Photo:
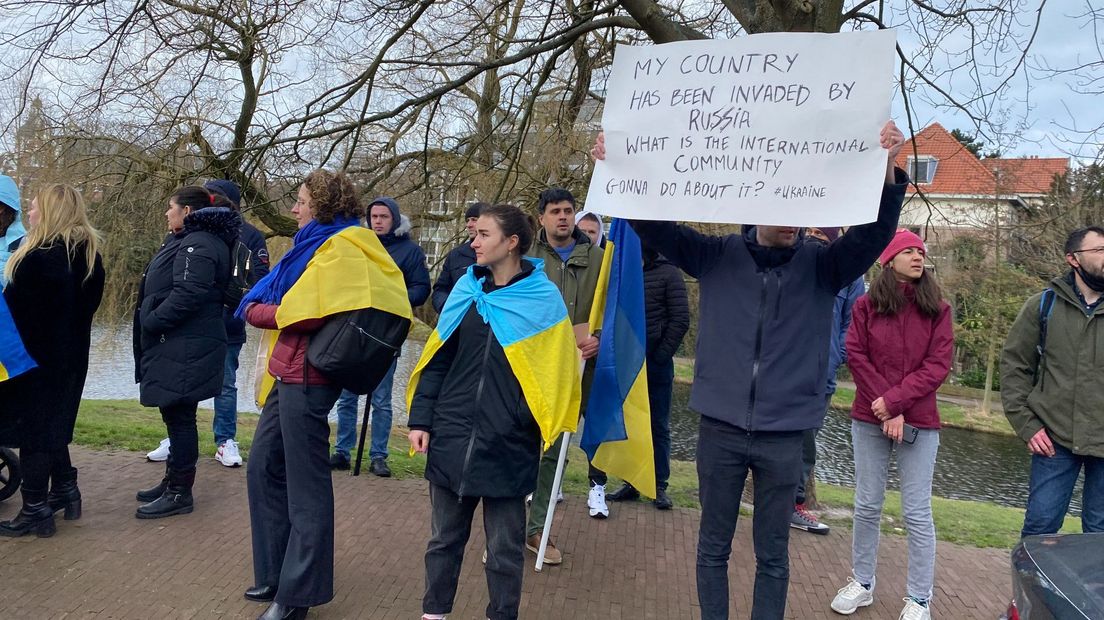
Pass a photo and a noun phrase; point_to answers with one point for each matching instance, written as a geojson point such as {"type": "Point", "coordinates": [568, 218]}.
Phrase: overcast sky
{"type": "Point", "coordinates": [1056, 120]}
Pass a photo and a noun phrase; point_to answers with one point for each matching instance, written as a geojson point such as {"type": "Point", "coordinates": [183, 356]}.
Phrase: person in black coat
{"type": "Point", "coordinates": [179, 337]}
{"type": "Point", "coordinates": [470, 414]}
{"type": "Point", "coordinates": [457, 260]}
{"type": "Point", "coordinates": [55, 284]}
{"type": "Point", "coordinates": [667, 319]}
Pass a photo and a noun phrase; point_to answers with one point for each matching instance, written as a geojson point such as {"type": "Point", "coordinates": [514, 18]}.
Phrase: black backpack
{"type": "Point", "coordinates": [241, 275]}
{"type": "Point", "coordinates": [1046, 307]}
{"type": "Point", "coordinates": [355, 349]}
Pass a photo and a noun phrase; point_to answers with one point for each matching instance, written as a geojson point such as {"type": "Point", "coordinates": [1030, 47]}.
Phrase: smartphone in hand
{"type": "Point", "coordinates": [909, 433]}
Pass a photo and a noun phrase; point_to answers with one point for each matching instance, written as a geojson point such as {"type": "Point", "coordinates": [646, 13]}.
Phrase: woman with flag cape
{"type": "Point", "coordinates": [498, 376]}
{"type": "Point", "coordinates": [334, 266]}
{"type": "Point", "coordinates": [55, 284]}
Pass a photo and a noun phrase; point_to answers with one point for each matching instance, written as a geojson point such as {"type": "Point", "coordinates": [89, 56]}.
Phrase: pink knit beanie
{"type": "Point", "coordinates": [903, 240]}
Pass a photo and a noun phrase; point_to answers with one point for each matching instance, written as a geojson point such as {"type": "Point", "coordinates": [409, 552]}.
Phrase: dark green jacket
{"type": "Point", "coordinates": [577, 278]}
{"type": "Point", "coordinates": [1068, 399]}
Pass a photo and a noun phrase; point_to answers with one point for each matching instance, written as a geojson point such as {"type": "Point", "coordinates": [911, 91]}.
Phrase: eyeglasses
{"type": "Point", "coordinates": [1099, 250]}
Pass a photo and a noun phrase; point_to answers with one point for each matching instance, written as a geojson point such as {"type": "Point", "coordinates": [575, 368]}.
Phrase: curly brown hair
{"type": "Point", "coordinates": [332, 194]}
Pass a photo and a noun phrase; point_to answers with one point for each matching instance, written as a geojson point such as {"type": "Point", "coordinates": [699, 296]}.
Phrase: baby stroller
{"type": "Point", "coordinates": [10, 473]}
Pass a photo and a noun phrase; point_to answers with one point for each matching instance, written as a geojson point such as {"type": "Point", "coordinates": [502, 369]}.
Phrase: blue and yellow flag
{"type": "Point", "coordinates": [529, 319]}
{"type": "Point", "coordinates": [14, 359]}
{"type": "Point", "coordinates": [350, 270]}
{"type": "Point", "coordinates": [618, 432]}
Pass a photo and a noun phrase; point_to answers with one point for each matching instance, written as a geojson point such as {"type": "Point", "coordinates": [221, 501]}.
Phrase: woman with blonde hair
{"type": "Point", "coordinates": [55, 281]}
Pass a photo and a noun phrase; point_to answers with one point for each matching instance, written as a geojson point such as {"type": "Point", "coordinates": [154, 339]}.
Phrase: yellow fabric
{"type": "Point", "coordinates": [3, 373]}
{"type": "Point", "coordinates": [598, 308]}
{"type": "Point", "coordinates": [544, 364]}
{"type": "Point", "coordinates": [262, 379]}
{"type": "Point", "coordinates": [633, 459]}
{"type": "Point", "coordinates": [349, 271]}
{"type": "Point", "coordinates": [339, 279]}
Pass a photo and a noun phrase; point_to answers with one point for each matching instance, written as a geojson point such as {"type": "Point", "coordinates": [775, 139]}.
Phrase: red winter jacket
{"type": "Point", "coordinates": [902, 358]}
{"type": "Point", "coordinates": [289, 357]}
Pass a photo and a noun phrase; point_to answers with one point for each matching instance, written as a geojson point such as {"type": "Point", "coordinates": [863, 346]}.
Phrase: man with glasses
{"type": "Point", "coordinates": [1052, 388]}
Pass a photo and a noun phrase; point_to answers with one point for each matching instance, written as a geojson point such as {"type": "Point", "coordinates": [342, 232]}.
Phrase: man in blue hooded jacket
{"type": "Point", "coordinates": [393, 230]}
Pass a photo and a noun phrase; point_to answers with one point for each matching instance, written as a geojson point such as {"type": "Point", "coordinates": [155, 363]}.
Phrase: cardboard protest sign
{"type": "Point", "coordinates": [778, 128]}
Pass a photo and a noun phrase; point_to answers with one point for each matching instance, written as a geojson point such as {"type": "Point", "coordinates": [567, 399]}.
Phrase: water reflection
{"type": "Point", "coordinates": [971, 465]}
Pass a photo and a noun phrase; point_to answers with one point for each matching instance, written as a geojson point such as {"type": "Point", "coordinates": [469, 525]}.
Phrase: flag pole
{"type": "Point", "coordinates": [552, 500]}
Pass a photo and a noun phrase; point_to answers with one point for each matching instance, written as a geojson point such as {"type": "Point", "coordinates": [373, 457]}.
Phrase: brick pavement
{"type": "Point", "coordinates": [637, 564]}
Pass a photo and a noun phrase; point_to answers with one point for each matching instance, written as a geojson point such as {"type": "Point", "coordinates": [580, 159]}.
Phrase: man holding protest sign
{"type": "Point", "coordinates": [765, 316]}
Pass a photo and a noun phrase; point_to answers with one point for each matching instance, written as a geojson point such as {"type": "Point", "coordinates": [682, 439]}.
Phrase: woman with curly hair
{"type": "Point", "coordinates": [290, 490]}
{"type": "Point", "coordinates": [55, 284]}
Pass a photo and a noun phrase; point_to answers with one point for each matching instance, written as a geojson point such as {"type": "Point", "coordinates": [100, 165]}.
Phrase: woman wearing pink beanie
{"type": "Point", "coordinates": [899, 349]}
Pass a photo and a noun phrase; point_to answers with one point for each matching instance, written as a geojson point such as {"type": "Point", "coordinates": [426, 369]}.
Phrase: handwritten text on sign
{"type": "Point", "coordinates": [764, 129]}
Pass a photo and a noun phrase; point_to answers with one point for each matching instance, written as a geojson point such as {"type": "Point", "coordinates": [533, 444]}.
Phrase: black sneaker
{"type": "Point", "coordinates": [339, 461]}
{"type": "Point", "coordinates": [626, 493]}
{"type": "Point", "coordinates": [662, 502]}
{"type": "Point", "coordinates": [379, 467]}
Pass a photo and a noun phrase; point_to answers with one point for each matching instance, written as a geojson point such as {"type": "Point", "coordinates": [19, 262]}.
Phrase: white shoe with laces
{"type": "Point", "coordinates": [851, 597]}
{"type": "Point", "coordinates": [228, 454]}
{"type": "Point", "coordinates": [160, 453]}
{"type": "Point", "coordinates": [596, 501]}
{"type": "Point", "coordinates": [914, 610]}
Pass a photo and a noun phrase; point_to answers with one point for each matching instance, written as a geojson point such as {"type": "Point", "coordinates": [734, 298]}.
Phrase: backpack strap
{"type": "Point", "coordinates": [1046, 307]}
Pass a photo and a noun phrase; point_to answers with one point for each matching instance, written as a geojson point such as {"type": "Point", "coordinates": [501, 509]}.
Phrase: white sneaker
{"type": "Point", "coordinates": [228, 454]}
{"type": "Point", "coordinates": [559, 495]}
{"type": "Point", "coordinates": [596, 501]}
{"type": "Point", "coordinates": [851, 597]}
{"type": "Point", "coordinates": [161, 452]}
{"type": "Point", "coordinates": [914, 611]}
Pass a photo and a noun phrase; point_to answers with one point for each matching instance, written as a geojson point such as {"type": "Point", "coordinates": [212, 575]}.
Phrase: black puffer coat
{"type": "Point", "coordinates": [483, 440]}
{"type": "Point", "coordinates": [52, 305]}
{"type": "Point", "coordinates": [666, 307]}
{"type": "Point", "coordinates": [179, 337]}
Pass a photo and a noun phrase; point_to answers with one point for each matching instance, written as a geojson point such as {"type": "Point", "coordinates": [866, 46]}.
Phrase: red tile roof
{"type": "Point", "coordinates": [960, 172]}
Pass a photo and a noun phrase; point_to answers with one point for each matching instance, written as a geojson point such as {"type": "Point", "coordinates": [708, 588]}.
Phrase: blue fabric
{"type": "Point", "coordinates": [841, 320]}
{"type": "Point", "coordinates": [225, 423]}
{"type": "Point", "coordinates": [272, 288]}
{"type": "Point", "coordinates": [516, 312]}
{"type": "Point", "coordinates": [565, 253]}
{"type": "Point", "coordinates": [623, 345]}
{"type": "Point", "coordinates": [9, 195]}
{"type": "Point", "coordinates": [1050, 490]}
{"type": "Point", "coordinates": [13, 355]}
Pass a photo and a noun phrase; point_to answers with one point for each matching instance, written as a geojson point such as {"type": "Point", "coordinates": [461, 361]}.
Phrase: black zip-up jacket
{"type": "Point", "coordinates": [483, 440]}
{"type": "Point", "coordinates": [255, 241]}
{"type": "Point", "coordinates": [456, 263]}
{"type": "Point", "coordinates": [766, 315]}
{"type": "Point", "coordinates": [179, 336]}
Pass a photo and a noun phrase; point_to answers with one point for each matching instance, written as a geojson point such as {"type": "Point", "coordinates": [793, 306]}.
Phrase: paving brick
{"type": "Point", "coordinates": [637, 564]}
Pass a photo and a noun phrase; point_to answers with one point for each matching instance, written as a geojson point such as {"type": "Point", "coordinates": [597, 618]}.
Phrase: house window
{"type": "Point", "coordinates": [922, 169]}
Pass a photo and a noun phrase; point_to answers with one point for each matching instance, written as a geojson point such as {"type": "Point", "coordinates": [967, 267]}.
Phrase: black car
{"type": "Point", "coordinates": [1058, 577]}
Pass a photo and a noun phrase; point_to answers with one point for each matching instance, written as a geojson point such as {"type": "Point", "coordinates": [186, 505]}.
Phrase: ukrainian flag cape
{"type": "Point", "coordinates": [530, 321]}
{"type": "Point", "coordinates": [618, 432]}
{"type": "Point", "coordinates": [350, 270]}
{"type": "Point", "coordinates": [14, 359]}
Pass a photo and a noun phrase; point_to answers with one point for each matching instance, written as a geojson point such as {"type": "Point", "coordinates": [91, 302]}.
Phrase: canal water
{"type": "Point", "coordinates": [970, 466]}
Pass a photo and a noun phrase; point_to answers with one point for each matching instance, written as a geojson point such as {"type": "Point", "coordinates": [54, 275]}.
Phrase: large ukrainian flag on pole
{"type": "Point", "coordinates": [617, 435]}
{"type": "Point", "coordinates": [14, 359]}
{"type": "Point", "coordinates": [529, 319]}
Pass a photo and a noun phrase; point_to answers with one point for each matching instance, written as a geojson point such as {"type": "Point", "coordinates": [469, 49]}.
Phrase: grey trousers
{"type": "Point", "coordinates": [291, 506]}
{"type": "Point", "coordinates": [915, 463]}
{"type": "Point", "coordinates": [504, 523]}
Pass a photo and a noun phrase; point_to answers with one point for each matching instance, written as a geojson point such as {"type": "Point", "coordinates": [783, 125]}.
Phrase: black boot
{"type": "Point", "coordinates": [35, 516]}
{"type": "Point", "coordinates": [177, 499]}
{"type": "Point", "coordinates": [151, 494]}
{"type": "Point", "coordinates": [627, 493]}
{"type": "Point", "coordinates": [64, 495]}
{"type": "Point", "coordinates": [276, 611]}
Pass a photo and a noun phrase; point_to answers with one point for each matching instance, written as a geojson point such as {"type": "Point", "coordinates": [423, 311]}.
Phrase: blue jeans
{"type": "Point", "coordinates": [380, 416]}
{"type": "Point", "coordinates": [225, 423]}
{"type": "Point", "coordinates": [1051, 488]}
{"type": "Point", "coordinates": [725, 456]}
